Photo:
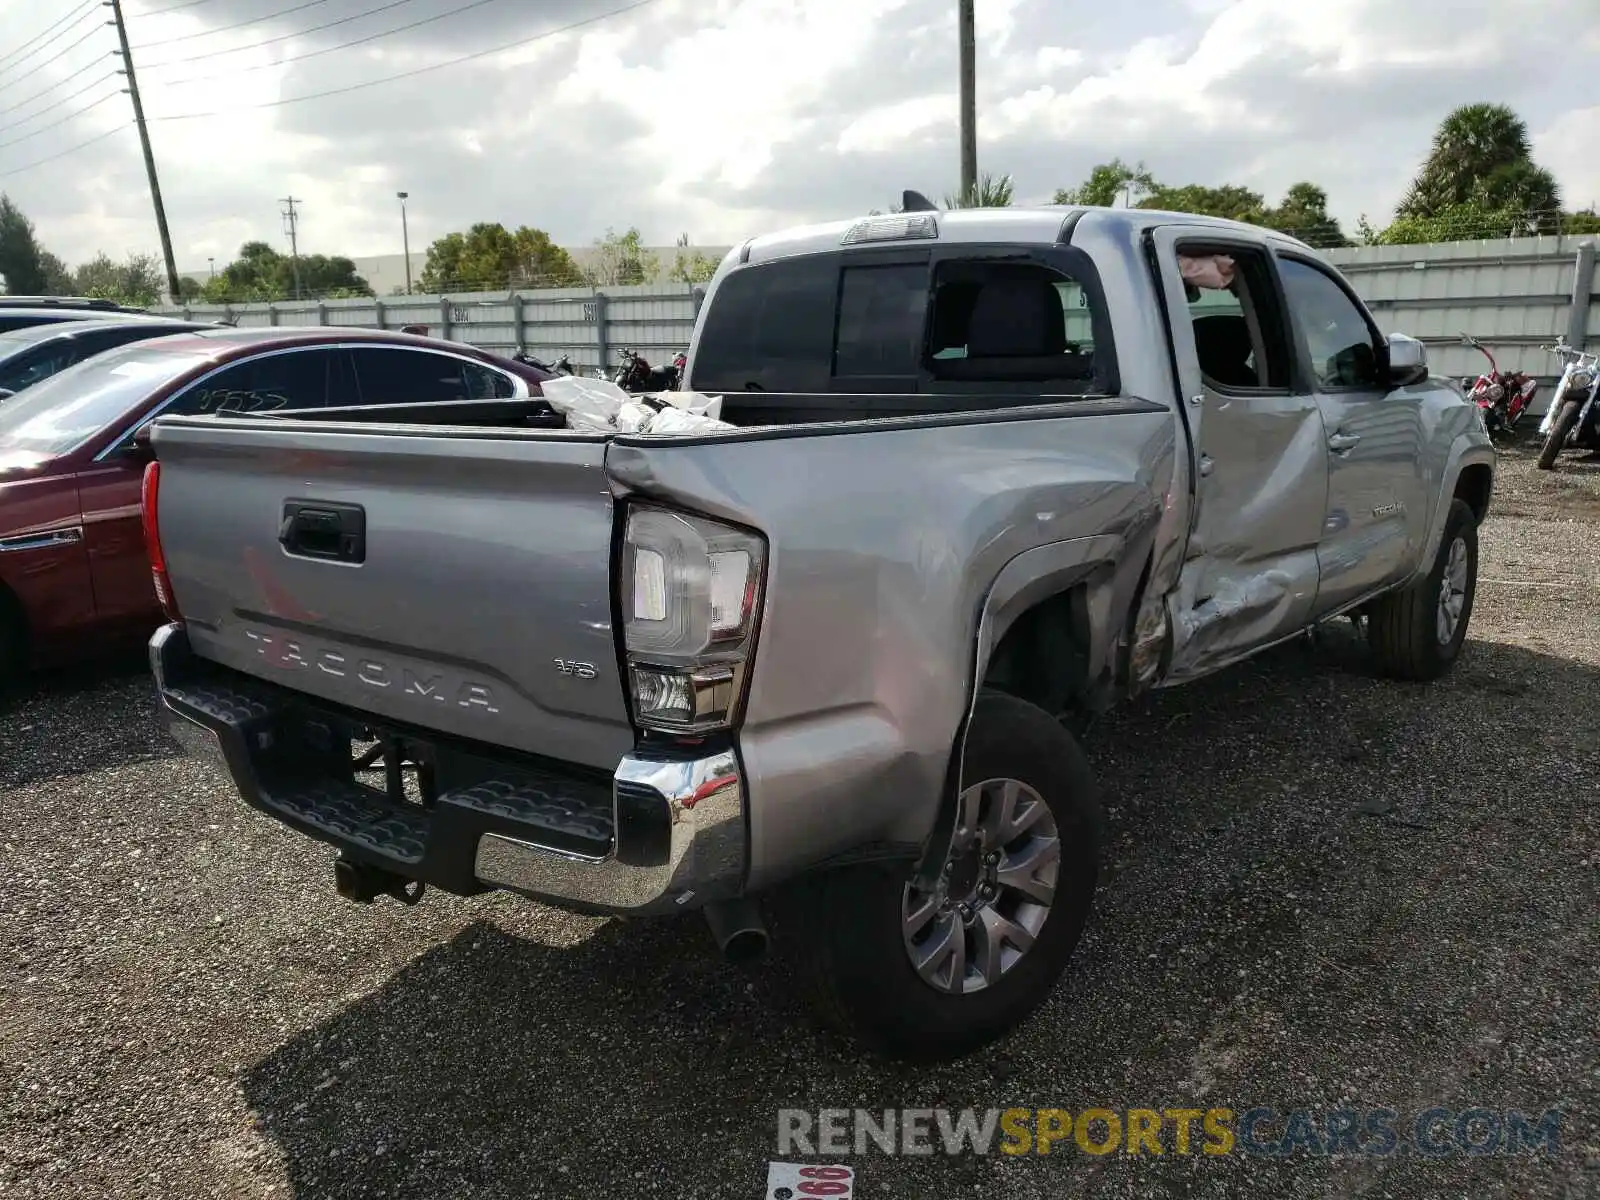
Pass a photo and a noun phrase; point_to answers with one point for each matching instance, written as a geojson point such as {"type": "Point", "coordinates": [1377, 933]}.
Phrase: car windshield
{"type": "Point", "coordinates": [56, 415]}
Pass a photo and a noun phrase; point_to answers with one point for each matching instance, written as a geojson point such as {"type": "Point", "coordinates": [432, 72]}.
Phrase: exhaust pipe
{"type": "Point", "coordinates": [737, 926]}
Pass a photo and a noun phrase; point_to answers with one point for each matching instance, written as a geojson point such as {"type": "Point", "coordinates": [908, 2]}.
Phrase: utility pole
{"type": "Point", "coordinates": [144, 141]}
{"type": "Point", "coordinates": [291, 226]}
{"type": "Point", "coordinates": [405, 238]}
{"type": "Point", "coordinates": [969, 101]}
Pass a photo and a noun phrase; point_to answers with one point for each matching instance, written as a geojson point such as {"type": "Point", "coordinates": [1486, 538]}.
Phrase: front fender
{"type": "Point", "coordinates": [1468, 449]}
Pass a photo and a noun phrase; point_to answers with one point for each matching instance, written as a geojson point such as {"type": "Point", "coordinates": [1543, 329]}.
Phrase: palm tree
{"type": "Point", "coordinates": [987, 192]}
{"type": "Point", "coordinates": [1472, 144]}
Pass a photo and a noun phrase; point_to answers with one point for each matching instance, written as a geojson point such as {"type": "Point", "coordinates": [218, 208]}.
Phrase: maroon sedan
{"type": "Point", "coordinates": [73, 572]}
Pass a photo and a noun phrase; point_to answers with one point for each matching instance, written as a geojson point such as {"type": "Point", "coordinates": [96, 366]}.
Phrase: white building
{"type": "Point", "coordinates": [387, 272]}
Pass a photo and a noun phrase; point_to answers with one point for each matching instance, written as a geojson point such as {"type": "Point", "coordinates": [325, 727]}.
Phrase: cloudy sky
{"type": "Point", "coordinates": [722, 118]}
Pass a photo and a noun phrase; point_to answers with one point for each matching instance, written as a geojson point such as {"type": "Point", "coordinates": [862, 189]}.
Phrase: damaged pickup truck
{"type": "Point", "coordinates": [983, 473]}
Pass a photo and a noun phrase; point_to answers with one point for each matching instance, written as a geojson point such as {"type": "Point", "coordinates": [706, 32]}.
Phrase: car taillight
{"type": "Point", "coordinates": [691, 595]}
{"type": "Point", "coordinates": [148, 493]}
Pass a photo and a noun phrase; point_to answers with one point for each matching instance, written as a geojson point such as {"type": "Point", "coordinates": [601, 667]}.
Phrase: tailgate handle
{"type": "Point", "coordinates": [324, 530]}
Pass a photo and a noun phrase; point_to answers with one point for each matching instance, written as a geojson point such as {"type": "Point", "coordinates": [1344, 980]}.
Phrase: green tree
{"type": "Point", "coordinates": [139, 281]}
{"type": "Point", "coordinates": [1454, 223]}
{"type": "Point", "coordinates": [1230, 201]}
{"type": "Point", "coordinates": [1585, 220]}
{"type": "Point", "coordinates": [987, 191]}
{"type": "Point", "coordinates": [690, 265]}
{"type": "Point", "coordinates": [22, 265]}
{"type": "Point", "coordinates": [1481, 155]}
{"type": "Point", "coordinates": [333, 277]}
{"type": "Point", "coordinates": [1106, 182]}
{"type": "Point", "coordinates": [251, 277]}
{"type": "Point", "coordinates": [261, 273]}
{"type": "Point", "coordinates": [57, 275]}
{"type": "Point", "coordinates": [1304, 214]}
{"type": "Point", "coordinates": [620, 260]}
{"type": "Point", "coordinates": [488, 256]}
{"type": "Point", "coordinates": [190, 289]}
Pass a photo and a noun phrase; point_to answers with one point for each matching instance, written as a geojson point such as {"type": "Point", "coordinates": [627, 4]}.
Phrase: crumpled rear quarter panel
{"type": "Point", "coordinates": [883, 544]}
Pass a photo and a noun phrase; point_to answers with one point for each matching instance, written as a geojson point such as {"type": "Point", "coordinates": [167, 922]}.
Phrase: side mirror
{"type": "Point", "coordinates": [1406, 361]}
{"type": "Point", "coordinates": [138, 447]}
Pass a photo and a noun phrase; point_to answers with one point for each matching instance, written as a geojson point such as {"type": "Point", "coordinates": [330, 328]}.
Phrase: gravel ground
{"type": "Point", "coordinates": [1320, 888]}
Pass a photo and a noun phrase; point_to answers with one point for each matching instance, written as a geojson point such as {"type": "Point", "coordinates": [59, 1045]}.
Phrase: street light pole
{"type": "Point", "coordinates": [405, 238]}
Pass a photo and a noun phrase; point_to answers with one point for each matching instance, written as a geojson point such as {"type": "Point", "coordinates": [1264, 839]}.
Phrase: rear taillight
{"type": "Point", "coordinates": [691, 595]}
{"type": "Point", "coordinates": [148, 493]}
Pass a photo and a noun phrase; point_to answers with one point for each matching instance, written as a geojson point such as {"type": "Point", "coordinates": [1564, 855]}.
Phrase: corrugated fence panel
{"type": "Point", "coordinates": [1515, 294]}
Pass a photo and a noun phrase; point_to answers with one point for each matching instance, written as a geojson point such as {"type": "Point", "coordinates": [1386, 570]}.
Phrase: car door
{"type": "Point", "coordinates": [405, 375]}
{"type": "Point", "coordinates": [114, 533]}
{"type": "Point", "coordinates": [1376, 489]}
{"type": "Point", "coordinates": [1260, 464]}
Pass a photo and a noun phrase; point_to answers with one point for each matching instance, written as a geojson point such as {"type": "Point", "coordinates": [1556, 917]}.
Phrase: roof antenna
{"type": "Point", "coordinates": [916, 202]}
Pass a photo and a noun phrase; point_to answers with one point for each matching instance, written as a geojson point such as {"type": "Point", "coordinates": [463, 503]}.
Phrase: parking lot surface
{"type": "Point", "coordinates": [1320, 889]}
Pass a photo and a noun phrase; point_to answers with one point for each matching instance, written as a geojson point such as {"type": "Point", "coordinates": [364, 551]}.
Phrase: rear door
{"type": "Point", "coordinates": [113, 531]}
{"type": "Point", "coordinates": [1261, 471]}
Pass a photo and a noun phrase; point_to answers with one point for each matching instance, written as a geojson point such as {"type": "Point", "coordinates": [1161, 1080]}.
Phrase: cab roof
{"type": "Point", "coordinates": [1044, 224]}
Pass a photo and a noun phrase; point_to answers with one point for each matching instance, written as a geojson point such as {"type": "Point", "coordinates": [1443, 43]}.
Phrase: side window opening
{"type": "Point", "coordinates": [292, 379]}
{"type": "Point", "coordinates": [1008, 322]}
{"type": "Point", "coordinates": [1340, 343]}
{"type": "Point", "coordinates": [1240, 336]}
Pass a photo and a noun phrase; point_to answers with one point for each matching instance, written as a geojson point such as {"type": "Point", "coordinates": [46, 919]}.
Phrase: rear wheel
{"type": "Point", "coordinates": [1565, 420]}
{"type": "Point", "coordinates": [933, 975]}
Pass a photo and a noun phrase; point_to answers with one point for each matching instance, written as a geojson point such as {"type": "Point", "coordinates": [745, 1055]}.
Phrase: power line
{"type": "Point", "coordinates": [53, 58]}
{"type": "Point", "coordinates": [50, 158]}
{"type": "Point", "coordinates": [372, 37]}
{"type": "Point", "coordinates": [22, 51]}
{"type": "Point", "coordinates": [51, 88]}
{"type": "Point", "coordinates": [71, 116]}
{"type": "Point", "coordinates": [189, 37]}
{"type": "Point", "coordinates": [156, 12]}
{"type": "Point", "coordinates": [438, 66]}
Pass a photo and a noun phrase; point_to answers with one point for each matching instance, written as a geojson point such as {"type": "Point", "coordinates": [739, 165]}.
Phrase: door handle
{"type": "Point", "coordinates": [331, 532]}
{"type": "Point", "coordinates": [1341, 443]}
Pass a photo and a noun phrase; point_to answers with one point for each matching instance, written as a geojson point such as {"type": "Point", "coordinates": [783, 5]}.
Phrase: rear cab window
{"type": "Point", "coordinates": [1015, 322]}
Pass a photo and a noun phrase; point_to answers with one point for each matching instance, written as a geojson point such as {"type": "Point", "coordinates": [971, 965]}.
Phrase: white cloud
{"type": "Point", "coordinates": [1567, 147]}
{"type": "Point", "coordinates": [726, 118]}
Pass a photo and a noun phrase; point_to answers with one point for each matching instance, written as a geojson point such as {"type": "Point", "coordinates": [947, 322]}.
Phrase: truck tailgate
{"type": "Point", "coordinates": [455, 581]}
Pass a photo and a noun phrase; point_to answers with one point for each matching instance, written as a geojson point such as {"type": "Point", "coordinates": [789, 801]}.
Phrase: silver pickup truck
{"type": "Point", "coordinates": [988, 472]}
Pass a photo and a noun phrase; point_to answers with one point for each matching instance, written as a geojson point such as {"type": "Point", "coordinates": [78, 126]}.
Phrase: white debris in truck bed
{"type": "Point", "coordinates": [600, 406]}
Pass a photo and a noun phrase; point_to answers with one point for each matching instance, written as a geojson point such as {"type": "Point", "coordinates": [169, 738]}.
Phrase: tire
{"type": "Point", "coordinates": [1565, 420]}
{"type": "Point", "coordinates": [13, 647]}
{"type": "Point", "coordinates": [849, 925]}
{"type": "Point", "coordinates": [1404, 628]}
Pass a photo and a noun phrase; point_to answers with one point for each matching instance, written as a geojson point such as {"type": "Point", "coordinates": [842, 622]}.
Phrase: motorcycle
{"type": "Point", "coordinates": [1504, 396]}
{"type": "Point", "coordinates": [1573, 419]}
{"type": "Point", "coordinates": [561, 366]}
{"type": "Point", "coordinates": [634, 374]}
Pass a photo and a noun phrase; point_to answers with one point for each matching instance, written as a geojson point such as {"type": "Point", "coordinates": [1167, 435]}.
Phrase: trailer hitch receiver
{"type": "Point", "coordinates": [364, 883]}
